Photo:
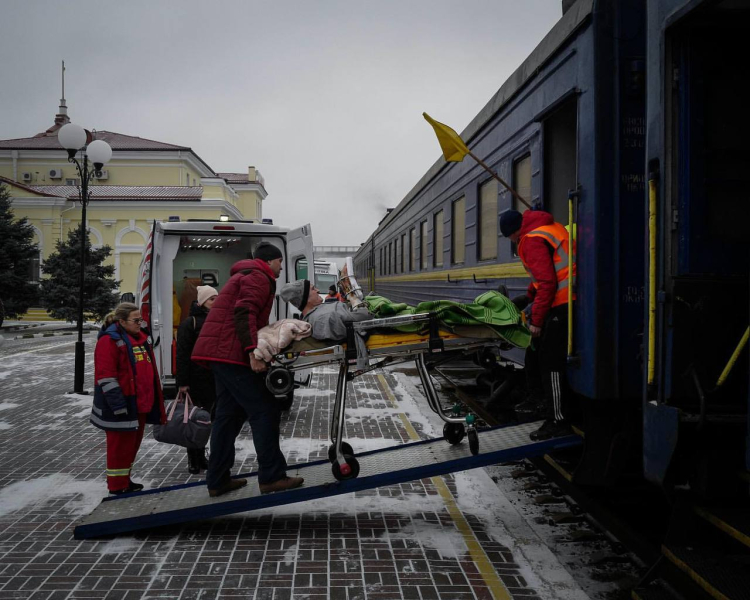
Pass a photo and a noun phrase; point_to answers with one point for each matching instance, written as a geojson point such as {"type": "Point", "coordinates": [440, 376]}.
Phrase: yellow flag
{"type": "Point", "coordinates": [451, 143]}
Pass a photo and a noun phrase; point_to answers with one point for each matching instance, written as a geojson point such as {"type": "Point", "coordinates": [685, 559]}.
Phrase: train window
{"type": "Point", "coordinates": [423, 245]}
{"type": "Point", "coordinates": [560, 159]}
{"type": "Point", "coordinates": [412, 248]}
{"type": "Point", "coordinates": [458, 231]}
{"type": "Point", "coordinates": [380, 264]}
{"type": "Point", "coordinates": [488, 220]}
{"type": "Point", "coordinates": [437, 239]}
{"type": "Point", "coordinates": [403, 251]}
{"type": "Point", "coordinates": [522, 182]}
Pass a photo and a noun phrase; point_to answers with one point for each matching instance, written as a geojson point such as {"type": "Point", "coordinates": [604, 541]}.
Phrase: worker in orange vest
{"type": "Point", "coordinates": [544, 248]}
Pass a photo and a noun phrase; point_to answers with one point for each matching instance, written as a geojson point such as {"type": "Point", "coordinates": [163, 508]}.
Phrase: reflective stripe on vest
{"type": "Point", "coordinates": [557, 237]}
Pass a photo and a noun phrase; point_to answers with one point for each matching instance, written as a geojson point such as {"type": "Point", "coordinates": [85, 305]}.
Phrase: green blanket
{"type": "Point", "coordinates": [491, 309]}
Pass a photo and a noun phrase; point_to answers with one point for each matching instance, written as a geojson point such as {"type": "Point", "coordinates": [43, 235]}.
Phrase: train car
{"type": "Point", "coordinates": [568, 131]}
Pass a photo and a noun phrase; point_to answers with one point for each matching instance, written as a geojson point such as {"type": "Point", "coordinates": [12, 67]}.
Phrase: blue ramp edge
{"type": "Point", "coordinates": [388, 466]}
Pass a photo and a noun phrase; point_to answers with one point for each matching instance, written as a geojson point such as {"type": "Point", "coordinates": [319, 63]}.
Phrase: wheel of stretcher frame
{"type": "Point", "coordinates": [473, 441]}
{"type": "Point", "coordinates": [348, 471]}
{"type": "Point", "coordinates": [454, 433]}
{"type": "Point", "coordinates": [280, 381]}
{"type": "Point", "coordinates": [345, 449]}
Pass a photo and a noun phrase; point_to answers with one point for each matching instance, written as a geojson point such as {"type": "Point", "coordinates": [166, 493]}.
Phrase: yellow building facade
{"type": "Point", "coordinates": [145, 181]}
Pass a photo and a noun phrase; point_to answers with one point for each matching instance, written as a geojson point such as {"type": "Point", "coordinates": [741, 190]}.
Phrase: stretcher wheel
{"type": "Point", "coordinates": [348, 471]}
{"type": "Point", "coordinates": [473, 441]}
{"type": "Point", "coordinates": [280, 381]}
{"type": "Point", "coordinates": [454, 433]}
{"type": "Point", "coordinates": [345, 449]}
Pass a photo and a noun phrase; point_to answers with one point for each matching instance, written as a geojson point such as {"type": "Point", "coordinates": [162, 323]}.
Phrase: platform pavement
{"type": "Point", "coordinates": [420, 540]}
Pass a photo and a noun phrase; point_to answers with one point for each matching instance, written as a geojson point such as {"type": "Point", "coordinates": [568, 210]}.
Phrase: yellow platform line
{"type": "Point", "coordinates": [685, 568]}
{"type": "Point", "coordinates": [477, 553]}
{"type": "Point", "coordinates": [723, 525]}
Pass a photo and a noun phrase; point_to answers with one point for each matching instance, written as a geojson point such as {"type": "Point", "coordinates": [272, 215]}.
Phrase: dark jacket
{"type": "Point", "coordinates": [115, 406]}
{"type": "Point", "coordinates": [199, 378]}
{"type": "Point", "coordinates": [242, 307]}
{"type": "Point", "coordinates": [539, 261]}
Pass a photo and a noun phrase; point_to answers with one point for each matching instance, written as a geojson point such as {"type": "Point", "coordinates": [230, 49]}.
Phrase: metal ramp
{"type": "Point", "coordinates": [388, 466]}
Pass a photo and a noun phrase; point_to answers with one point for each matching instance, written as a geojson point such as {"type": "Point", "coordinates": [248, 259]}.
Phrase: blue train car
{"type": "Point", "coordinates": [570, 127]}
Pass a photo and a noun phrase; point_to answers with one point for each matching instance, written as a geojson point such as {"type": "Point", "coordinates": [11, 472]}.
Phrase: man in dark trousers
{"type": "Point", "coordinates": [544, 248]}
{"type": "Point", "coordinates": [226, 342]}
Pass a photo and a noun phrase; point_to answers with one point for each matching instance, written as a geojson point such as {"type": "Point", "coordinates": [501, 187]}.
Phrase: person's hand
{"type": "Point", "coordinates": [258, 366]}
{"type": "Point", "coordinates": [535, 331]}
{"type": "Point", "coordinates": [183, 388]}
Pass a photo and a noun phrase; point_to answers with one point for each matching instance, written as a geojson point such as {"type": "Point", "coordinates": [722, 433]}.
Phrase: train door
{"type": "Point", "coordinates": [706, 207]}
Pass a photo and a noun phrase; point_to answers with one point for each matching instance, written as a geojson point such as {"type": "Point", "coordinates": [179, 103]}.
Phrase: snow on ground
{"type": "Point", "coordinates": [85, 495]}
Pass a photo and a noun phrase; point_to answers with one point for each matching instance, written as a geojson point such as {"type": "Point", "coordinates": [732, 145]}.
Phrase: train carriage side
{"type": "Point", "coordinates": [695, 430]}
{"type": "Point", "coordinates": [570, 119]}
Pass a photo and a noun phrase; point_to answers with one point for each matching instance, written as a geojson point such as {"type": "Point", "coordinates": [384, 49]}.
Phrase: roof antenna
{"type": "Point", "coordinates": [63, 108]}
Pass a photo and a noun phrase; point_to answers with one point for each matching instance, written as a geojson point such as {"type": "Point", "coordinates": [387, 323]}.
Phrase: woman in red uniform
{"type": "Point", "coordinates": [127, 393]}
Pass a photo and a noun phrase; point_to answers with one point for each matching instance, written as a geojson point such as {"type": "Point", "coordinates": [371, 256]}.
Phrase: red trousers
{"type": "Point", "coordinates": [122, 446]}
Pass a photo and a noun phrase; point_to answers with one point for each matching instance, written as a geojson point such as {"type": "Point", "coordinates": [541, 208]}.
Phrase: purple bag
{"type": "Point", "coordinates": [187, 425]}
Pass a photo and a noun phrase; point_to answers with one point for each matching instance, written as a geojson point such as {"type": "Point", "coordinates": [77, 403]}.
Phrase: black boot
{"type": "Point", "coordinates": [193, 466]}
{"type": "Point", "coordinates": [200, 454]}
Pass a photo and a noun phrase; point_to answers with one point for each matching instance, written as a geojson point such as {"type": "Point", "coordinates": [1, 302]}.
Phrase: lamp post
{"type": "Point", "coordinates": [93, 156]}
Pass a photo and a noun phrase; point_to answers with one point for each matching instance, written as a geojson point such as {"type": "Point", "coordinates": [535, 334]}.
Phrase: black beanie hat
{"type": "Point", "coordinates": [510, 222]}
{"type": "Point", "coordinates": [266, 251]}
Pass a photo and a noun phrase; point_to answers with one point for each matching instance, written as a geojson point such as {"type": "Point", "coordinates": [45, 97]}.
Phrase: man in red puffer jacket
{"type": "Point", "coordinates": [226, 342]}
{"type": "Point", "coordinates": [547, 254]}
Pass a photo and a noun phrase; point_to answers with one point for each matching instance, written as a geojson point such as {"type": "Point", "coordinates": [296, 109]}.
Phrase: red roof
{"type": "Point", "coordinates": [117, 141]}
{"type": "Point", "coordinates": [235, 177]}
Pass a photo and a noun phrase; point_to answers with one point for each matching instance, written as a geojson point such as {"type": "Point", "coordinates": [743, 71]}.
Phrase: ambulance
{"type": "Point", "coordinates": [180, 256]}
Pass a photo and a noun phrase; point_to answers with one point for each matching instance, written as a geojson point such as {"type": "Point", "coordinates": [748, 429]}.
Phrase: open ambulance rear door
{"type": "Point", "coordinates": [299, 247]}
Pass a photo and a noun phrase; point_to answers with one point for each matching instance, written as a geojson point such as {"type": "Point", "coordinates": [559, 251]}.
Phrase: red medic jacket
{"type": "Point", "coordinates": [243, 306]}
{"type": "Point", "coordinates": [538, 259]}
{"type": "Point", "coordinates": [117, 384]}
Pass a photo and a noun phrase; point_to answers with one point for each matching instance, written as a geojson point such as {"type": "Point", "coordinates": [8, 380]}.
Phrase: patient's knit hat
{"type": "Point", "coordinates": [296, 293]}
{"type": "Point", "coordinates": [204, 293]}
{"type": "Point", "coordinates": [266, 251]}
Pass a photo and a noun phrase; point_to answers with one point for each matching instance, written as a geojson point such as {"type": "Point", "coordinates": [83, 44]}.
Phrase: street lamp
{"type": "Point", "coordinates": [94, 156]}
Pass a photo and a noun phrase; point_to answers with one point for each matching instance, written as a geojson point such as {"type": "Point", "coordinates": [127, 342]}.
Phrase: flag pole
{"type": "Point", "coordinates": [516, 195]}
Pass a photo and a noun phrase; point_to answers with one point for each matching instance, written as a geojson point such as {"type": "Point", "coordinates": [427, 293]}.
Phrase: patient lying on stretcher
{"type": "Point", "coordinates": [328, 320]}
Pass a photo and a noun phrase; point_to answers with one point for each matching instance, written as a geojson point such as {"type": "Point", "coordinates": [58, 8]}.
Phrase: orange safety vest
{"type": "Point", "coordinates": [557, 237]}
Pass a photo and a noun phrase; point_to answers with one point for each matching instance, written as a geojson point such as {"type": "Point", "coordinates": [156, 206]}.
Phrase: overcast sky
{"type": "Point", "coordinates": [324, 97]}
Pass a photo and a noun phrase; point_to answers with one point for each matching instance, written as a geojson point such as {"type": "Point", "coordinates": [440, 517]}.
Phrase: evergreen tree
{"type": "Point", "coordinates": [60, 291]}
{"type": "Point", "coordinates": [16, 254]}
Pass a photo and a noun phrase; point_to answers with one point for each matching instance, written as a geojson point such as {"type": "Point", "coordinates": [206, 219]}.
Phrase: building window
{"type": "Point", "coordinates": [187, 178]}
{"type": "Point", "coordinates": [395, 255]}
{"type": "Point", "coordinates": [423, 248]}
{"type": "Point", "coordinates": [412, 248]}
{"type": "Point", "coordinates": [390, 254]}
{"type": "Point", "coordinates": [488, 220]}
{"type": "Point", "coordinates": [380, 263]}
{"type": "Point", "coordinates": [34, 269]}
{"type": "Point", "coordinates": [458, 231]}
{"type": "Point", "coordinates": [437, 239]}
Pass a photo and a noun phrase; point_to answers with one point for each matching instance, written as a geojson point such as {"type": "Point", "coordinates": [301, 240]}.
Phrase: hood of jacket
{"type": "Point", "coordinates": [533, 219]}
{"type": "Point", "coordinates": [252, 263]}
{"type": "Point", "coordinates": [198, 311]}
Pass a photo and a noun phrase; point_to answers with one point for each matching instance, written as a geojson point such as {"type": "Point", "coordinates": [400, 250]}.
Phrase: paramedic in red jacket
{"type": "Point", "coordinates": [127, 393]}
{"type": "Point", "coordinates": [545, 250]}
{"type": "Point", "coordinates": [226, 343]}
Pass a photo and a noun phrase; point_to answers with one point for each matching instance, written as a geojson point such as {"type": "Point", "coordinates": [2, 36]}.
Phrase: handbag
{"type": "Point", "coordinates": [187, 425]}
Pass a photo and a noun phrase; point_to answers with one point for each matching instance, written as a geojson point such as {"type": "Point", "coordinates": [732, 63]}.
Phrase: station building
{"type": "Point", "coordinates": [145, 180]}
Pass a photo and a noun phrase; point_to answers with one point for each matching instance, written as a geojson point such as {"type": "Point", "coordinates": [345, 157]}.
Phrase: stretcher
{"type": "Point", "coordinates": [377, 343]}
